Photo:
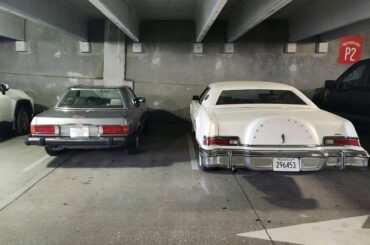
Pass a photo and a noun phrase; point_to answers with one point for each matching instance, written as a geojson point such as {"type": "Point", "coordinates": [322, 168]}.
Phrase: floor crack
{"type": "Point", "coordinates": [254, 210]}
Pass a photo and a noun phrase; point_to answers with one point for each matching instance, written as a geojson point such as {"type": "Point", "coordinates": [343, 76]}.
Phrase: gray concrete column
{"type": "Point", "coordinates": [114, 55]}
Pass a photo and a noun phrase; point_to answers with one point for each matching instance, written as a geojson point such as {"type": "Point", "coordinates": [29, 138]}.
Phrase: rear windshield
{"type": "Point", "coordinates": [260, 96]}
{"type": "Point", "coordinates": [92, 98]}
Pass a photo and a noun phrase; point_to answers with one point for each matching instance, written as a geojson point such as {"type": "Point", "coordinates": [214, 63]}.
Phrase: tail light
{"type": "Point", "coordinates": [341, 141]}
{"type": "Point", "coordinates": [221, 141]}
{"type": "Point", "coordinates": [44, 130]}
{"type": "Point", "coordinates": [114, 129]}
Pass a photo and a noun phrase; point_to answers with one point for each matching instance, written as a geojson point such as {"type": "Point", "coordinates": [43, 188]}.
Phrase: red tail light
{"type": "Point", "coordinates": [221, 141]}
{"type": "Point", "coordinates": [341, 141]}
{"type": "Point", "coordinates": [114, 129]}
{"type": "Point", "coordinates": [44, 130]}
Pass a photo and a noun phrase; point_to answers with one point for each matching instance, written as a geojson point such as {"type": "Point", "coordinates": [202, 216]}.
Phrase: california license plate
{"type": "Point", "coordinates": [286, 164]}
{"type": "Point", "coordinates": [79, 132]}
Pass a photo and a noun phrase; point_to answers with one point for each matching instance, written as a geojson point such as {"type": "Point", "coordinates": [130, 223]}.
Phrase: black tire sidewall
{"type": "Point", "coordinates": [18, 128]}
{"type": "Point", "coordinates": [54, 152]}
{"type": "Point", "coordinates": [134, 147]}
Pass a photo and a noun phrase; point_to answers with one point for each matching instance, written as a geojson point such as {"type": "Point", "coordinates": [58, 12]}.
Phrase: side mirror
{"type": "Point", "coordinates": [140, 100]}
{"type": "Point", "coordinates": [4, 88]}
{"type": "Point", "coordinates": [196, 97]}
{"type": "Point", "coordinates": [330, 84]}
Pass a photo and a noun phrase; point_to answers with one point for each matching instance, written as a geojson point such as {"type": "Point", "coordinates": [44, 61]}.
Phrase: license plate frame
{"type": "Point", "coordinates": [79, 132]}
{"type": "Point", "coordinates": [286, 164]}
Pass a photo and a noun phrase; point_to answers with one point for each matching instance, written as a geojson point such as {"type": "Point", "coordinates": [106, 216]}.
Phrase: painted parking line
{"type": "Point", "coordinates": [193, 158]}
{"type": "Point", "coordinates": [339, 232]}
{"type": "Point", "coordinates": [37, 162]}
{"type": "Point", "coordinates": [4, 202]}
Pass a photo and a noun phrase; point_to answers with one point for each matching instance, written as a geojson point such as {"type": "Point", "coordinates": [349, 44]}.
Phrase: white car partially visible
{"type": "Point", "coordinates": [16, 109]}
{"type": "Point", "coordinates": [270, 126]}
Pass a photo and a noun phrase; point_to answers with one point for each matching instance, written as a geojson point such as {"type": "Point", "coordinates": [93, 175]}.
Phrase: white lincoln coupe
{"type": "Point", "coordinates": [270, 126]}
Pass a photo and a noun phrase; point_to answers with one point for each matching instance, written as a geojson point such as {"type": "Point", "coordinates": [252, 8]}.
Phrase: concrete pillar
{"type": "Point", "coordinates": [114, 55]}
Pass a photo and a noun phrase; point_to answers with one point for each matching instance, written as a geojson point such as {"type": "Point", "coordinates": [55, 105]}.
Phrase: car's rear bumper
{"type": "Point", "coordinates": [310, 160]}
{"type": "Point", "coordinates": [80, 143]}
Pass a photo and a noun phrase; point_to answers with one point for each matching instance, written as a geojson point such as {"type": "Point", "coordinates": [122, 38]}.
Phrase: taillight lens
{"type": "Point", "coordinates": [44, 130]}
{"type": "Point", "coordinates": [114, 129]}
{"type": "Point", "coordinates": [221, 141]}
{"type": "Point", "coordinates": [341, 141]}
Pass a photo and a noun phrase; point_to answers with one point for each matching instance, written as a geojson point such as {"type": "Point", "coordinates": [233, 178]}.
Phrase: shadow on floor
{"type": "Point", "coordinates": [162, 145]}
{"type": "Point", "coordinates": [280, 190]}
{"type": "Point", "coordinates": [6, 133]}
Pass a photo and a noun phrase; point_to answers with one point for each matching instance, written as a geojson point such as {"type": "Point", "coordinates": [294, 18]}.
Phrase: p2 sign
{"type": "Point", "coordinates": [350, 49]}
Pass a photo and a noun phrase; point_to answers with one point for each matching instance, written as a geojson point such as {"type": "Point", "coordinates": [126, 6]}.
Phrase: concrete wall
{"type": "Point", "coordinates": [52, 63]}
{"type": "Point", "coordinates": [168, 73]}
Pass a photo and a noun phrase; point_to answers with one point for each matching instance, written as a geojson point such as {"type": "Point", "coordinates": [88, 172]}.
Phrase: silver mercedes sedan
{"type": "Point", "coordinates": [90, 117]}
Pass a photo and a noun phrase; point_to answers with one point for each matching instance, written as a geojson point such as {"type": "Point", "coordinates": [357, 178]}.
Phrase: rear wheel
{"type": "Point", "coordinates": [22, 121]}
{"type": "Point", "coordinates": [134, 147]}
{"type": "Point", "coordinates": [54, 151]}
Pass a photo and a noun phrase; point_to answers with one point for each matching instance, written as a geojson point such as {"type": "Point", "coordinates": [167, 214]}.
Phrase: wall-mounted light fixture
{"type": "Point", "coordinates": [322, 48]}
{"type": "Point", "coordinates": [21, 46]}
{"type": "Point", "coordinates": [290, 48]}
{"type": "Point", "coordinates": [198, 48]}
{"type": "Point", "coordinates": [137, 48]}
{"type": "Point", "coordinates": [85, 47]}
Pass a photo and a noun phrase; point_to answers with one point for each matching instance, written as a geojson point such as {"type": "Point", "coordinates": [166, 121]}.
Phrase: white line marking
{"type": "Point", "coordinates": [34, 164]}
{"type": "Point", "coordinates": [193, 158]}
{"type": "Point", "coordinates": [339, 232]}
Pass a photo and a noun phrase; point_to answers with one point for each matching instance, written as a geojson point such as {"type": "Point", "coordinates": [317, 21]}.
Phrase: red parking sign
{"type": "Point", "coordinates": [350, 49]}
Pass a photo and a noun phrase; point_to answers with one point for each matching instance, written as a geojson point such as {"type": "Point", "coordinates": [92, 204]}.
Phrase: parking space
{"type": "Point", "coordinates": [109, 197]}
{"type": "Point", "coordinates": [103, 103]}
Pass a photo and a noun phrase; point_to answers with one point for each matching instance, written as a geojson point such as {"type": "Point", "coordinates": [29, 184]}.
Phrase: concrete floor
{"type": "Point", "coordinates": [109, 197]}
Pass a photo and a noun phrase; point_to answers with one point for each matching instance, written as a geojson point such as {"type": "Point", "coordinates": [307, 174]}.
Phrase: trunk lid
{"type": "Point", "coordinates": [278, 126]}
{"type": "Point", "coordinates": [72, 118]}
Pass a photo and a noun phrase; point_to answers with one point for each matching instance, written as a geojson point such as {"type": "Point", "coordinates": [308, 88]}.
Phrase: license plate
{"type": "Point", "coordinates": [79, 132]}
{"type": "Point", "coordinates": [286, 164]}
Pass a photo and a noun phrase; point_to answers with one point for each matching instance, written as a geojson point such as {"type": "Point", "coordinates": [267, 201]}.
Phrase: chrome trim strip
{"type": "Point", "coordinates": [283, 146]}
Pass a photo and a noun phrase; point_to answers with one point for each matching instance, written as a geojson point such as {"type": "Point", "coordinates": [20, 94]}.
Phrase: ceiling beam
{"type": "Point", "coordinates": [325, 16]}
{"type": "Point", "coordinates": [50, 13]}
{"type": "Point", "coordinates": [251, 13]}
{"type": "Point", "coordinates": [11, 26]}
{"type": "Point", "coordinates": [207, 13]}
{"type": "Point", "coordinates": [122, 14]}
{"type": "Point", "coordinates": [354, 29]}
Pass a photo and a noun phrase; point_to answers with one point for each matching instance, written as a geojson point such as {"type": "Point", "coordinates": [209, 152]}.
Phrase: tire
{"type": "Point", "coordinates": [134, 147]}
{"type": "Point", "coordinates": [22, 121]}
{"type": "Point", "coordinates": [54, 151]}
{"type": "Point", "coordinates": [204, 168]}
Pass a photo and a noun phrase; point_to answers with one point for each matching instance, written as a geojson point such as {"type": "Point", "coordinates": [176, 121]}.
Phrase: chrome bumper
{"type": "Point", "coordinates": [310, 160]}
{"type": "Point", "coordinates": [71, 143]}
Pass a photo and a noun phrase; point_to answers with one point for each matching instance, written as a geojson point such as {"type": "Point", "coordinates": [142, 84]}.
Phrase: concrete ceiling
{"type": "Point", "coordinates": [307, 18]}
{"type": "Point", "coordinates": [84, 7]}
{"type": "Point", "coordinates": [293, 9]}
{"type": "Point", "coordinates": [165, 9]}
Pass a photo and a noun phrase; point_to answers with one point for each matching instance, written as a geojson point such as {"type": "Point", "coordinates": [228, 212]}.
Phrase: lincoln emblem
{"type": "Point", "coordinates": [282, 138]}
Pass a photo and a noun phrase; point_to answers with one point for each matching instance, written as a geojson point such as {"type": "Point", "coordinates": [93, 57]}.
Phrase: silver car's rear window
{"type": "Point", "coordinates": [259, 96]}
{"type": "Point", "coordinates": [92, 98]}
